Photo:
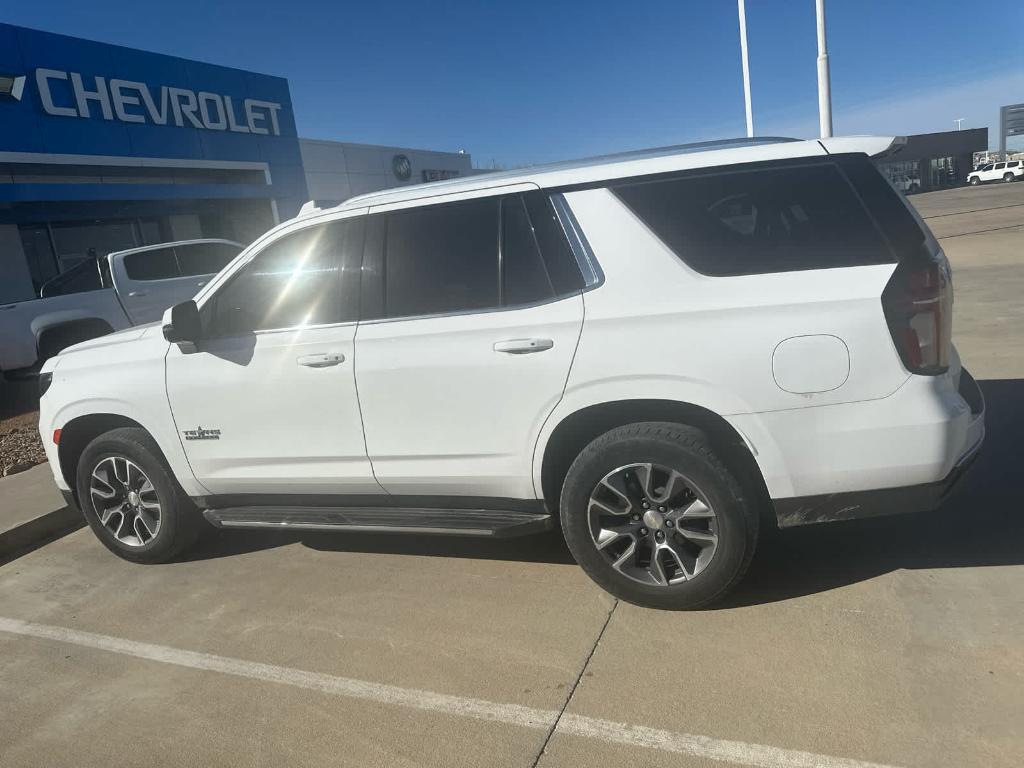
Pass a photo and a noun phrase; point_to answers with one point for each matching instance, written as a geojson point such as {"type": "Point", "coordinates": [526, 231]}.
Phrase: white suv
{"type": "Point", "coordinates": [660, 350]}
{"type": "Point", "coordinates": [1010, 170]}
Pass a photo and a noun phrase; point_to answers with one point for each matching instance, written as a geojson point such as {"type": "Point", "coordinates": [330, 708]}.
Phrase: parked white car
{"type": "Point", "coordinates": [125, 288]}
{"type": "Point", "coordinates": [665, 349]}
{"type": "Point", "coordinates": [908, 185]}
{"type": "Point", "coordinates": [1009, 170]}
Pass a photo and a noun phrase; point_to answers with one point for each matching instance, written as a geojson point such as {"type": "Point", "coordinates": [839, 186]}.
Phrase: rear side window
{"type": "Point", "coordinates": [889, 210]}
{"type": "Point", "coordinates": [558, 256]}
{"type": "Point", "coordinates": [524, 277]}
{"type": "Point", "coordinates": [204, 258]}
{"type": "Point", "coordinates": [157, 264]}
{"type": "Point", "coordinates": [756, 221]}
{"type": "Point", "coordinates": [1014, 164]}
{"type": "Point", "coordinates": [442, 258]}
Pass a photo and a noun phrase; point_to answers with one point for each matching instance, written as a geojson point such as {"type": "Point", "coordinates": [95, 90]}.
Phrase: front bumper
{"type": "Point", "coordinates": [805, 510]}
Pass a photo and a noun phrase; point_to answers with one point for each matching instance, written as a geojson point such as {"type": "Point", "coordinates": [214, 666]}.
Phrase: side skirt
{"type": "Point", "coordinates": [494, 523]}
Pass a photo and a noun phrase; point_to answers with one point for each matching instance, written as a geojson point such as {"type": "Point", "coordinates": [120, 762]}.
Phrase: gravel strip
{"type": "Point", "coordinates": [20, 448]}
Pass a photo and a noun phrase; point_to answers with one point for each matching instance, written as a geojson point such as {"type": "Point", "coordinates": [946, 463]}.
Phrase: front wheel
{"type": "Point", "coordinates": [975, 181]}
{"type": "Point", "coordinates": [131, 501]}
{"type": "Point", "coordinates": [655, 518]}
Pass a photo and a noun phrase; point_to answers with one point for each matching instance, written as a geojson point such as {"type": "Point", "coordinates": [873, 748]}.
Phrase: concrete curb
{"type": "Point", "coordinates": [39, 529]}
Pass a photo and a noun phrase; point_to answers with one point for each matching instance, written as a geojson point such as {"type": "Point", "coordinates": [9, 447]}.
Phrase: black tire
{"type": "Point", "coordinates": [975, 181]}
{"type": "Point", "coordinates": [180, 521]}
{"type": "Point", "coordinates": [687, 450]}
{"type": "Point", "coordinates": [1008, 177]}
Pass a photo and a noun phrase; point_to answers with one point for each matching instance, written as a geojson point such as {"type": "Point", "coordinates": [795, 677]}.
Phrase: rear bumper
{"type": "Point", "coordinates": [805, 510]}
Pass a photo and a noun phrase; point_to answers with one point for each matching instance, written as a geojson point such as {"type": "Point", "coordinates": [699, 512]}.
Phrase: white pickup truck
{"type": "Point", "coordinates": [106, 294]}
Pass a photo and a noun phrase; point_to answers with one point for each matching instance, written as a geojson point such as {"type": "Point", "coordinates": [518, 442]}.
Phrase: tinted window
{"type": "Point", "coordinates": [1000, 166]}
{"type": "Point", "coordinates": [294, 281]}
{"type": "Point", "coordinates": [768, 220]}
{"type": "Point", "coordinates": [204, 258]}
{"type": "Point", "coordinates": [524, 276]}
{"type": "Point", "coordinates": [890, 211]}
{"type": "Point", "coordinates": [562, 267]}
{"type": "Point", "coordinates": [158, 264]}
{"type": "Point", "coordinates": [1014, 164]}
{"type": "Point", "coordinates": [82, 277]}
{"type": "Point", "coordinates": [442, 258]}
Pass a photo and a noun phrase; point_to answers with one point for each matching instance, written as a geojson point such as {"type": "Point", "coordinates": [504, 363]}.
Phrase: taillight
{"type": "Point", "coordinates": [918, 306]}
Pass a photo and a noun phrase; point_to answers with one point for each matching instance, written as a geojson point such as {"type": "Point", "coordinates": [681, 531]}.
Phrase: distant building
{"type": "Point", "coordinates": [935, 160]}
{"type": "Point", "coordinates": [337, 170]}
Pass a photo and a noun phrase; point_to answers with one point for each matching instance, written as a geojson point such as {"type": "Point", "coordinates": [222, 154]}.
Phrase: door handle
{"type": "Point", "coordinates": [321, 361]}
{"type": "Point", "coordinates": [136, 293]}
{"type": "Point", "coordinates": [523, 346]}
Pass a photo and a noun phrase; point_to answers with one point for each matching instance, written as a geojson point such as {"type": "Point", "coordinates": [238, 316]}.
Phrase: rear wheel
{"type": "Point", "coordinates": [131, 501]}
{"type": "Point", "coordinates": [654, 517]}
{"type": "Point", "coordinates": [1008, 177]}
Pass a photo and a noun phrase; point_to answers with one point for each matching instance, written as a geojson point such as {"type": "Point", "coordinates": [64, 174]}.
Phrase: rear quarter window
{"type": "Point", "coordinates": [753, 221]}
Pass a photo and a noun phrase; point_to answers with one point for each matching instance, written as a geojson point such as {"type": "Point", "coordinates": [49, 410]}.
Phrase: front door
{"type": "Point", "coordinates": [150, 281]}
{"type": "Point", "coordinates": [471, 354]}
{"type": "Point", "coordinates": [266, 404]}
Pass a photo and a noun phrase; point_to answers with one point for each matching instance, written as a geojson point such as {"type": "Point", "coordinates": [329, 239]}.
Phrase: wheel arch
{"type": "Point", "coordinates": [578, 428]}
{"type": "Point", "coordinates": [78, 329]}
{"type": "Point", "coordinates": [79, 432]}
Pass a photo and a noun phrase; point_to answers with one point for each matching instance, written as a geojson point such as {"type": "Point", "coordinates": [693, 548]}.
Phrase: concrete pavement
{"type": "Point", "coordinates": [32, 510]}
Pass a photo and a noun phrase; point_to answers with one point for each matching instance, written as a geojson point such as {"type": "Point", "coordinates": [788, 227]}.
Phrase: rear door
{"type": "Point", "coordinates": [466, 343]}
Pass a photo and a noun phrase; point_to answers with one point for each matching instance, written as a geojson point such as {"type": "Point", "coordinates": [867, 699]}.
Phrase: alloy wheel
{"type": "Point", "coordinates": [125, 501]}
{"type": "Point", "coordinates": [652, 524]}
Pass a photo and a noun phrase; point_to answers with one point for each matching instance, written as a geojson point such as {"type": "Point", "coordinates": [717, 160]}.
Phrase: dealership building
{"type": "Point", "coordinates": [930, 161]}
{"type": "Point", "coordinates": [105, 147]}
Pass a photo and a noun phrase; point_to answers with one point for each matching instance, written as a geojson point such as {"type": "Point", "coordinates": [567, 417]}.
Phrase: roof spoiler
{"type": "Point", "coordinates": [872, 146]}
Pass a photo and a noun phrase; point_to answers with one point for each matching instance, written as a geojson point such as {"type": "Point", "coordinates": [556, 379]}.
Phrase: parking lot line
{"type": "Point", "coordinates": [735, 752]}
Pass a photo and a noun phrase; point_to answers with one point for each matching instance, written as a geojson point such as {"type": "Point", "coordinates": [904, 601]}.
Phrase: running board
{"type": "Point", "coordinates": [451, 522]}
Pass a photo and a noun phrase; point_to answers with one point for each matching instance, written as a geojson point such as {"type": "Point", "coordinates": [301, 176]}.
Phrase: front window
{"type": "Point", "coordinates": [295, 281]}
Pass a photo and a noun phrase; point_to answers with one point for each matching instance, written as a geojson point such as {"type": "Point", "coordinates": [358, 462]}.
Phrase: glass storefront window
{"type": "Point", "coordinates": [35, 242]}
{"type": "Point", "coordinates": [54, 249]}
{"type": "Point", "coordinates": [905, 175]}
{"type": "Point", "coordinates": [75, 241]}
{"type": "Point", "coordinates": [944, 172]}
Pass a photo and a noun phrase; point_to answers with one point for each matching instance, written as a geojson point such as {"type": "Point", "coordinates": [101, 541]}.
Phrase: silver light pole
{"type": "Point", "coordinates": [824, 86]}
{"type": "Point", "coordinates": [746, 68]}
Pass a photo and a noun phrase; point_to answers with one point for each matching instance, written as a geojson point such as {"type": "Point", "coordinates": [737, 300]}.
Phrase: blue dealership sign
{"type": "Point", "coordinates": [70, 96]}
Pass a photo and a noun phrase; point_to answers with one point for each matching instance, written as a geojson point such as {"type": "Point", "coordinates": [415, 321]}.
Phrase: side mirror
{"type": "Point", "coordinates": [182, 323]}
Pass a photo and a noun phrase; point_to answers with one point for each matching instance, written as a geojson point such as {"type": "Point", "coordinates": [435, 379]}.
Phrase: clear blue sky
{"type": "Point", "coordinates": [525, 82]}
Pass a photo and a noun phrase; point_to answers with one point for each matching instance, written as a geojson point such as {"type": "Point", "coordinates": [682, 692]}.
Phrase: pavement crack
{"type": "Point", "coordinates": [575, 685]}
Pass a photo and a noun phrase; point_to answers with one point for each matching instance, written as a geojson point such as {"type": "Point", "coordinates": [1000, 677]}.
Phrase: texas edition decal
{"type": "Point", "coordinates": [201, 434]}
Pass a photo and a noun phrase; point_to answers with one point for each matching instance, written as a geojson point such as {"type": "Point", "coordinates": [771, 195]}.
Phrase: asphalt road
{"type": "Point", "coordinates": [894, 641]}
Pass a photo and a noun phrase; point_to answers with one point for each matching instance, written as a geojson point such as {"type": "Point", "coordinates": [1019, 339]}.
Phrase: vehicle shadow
{"type": "Point", "coordinates": [546, 547]}
{"type": "Point", "coordinates": [980, 524]}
